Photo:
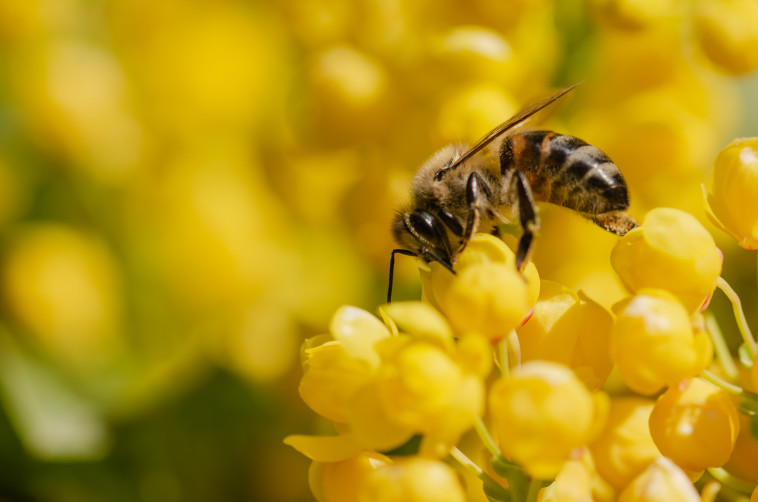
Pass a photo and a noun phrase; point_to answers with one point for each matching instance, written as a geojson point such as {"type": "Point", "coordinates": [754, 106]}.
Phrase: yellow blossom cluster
{"type": "Point", "coordinates": [553, 427]}
{"type": "Point", "coordinates": [190, 188]}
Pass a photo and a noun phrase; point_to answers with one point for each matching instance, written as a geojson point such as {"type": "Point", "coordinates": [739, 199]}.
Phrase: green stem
{"type": "Point", "coordinates": [484, 435]}
{"type": "Point", "coordinates": [710, 491]}
{"type": "Point", "coordinates": [722, 384]}
{"type": "Point", "coordinates": [466, 462]}
{"type": "Point", "coordinates": [469, 465]}
{"type": "Point", "coordinates": [535, 485]}
{"type": "Point", "coordinates": [739, 315]}
{"type": "Point", "coordinates": [505, 365]}
{"type": "Point", "coordinates": [723, 355]}
{"type": "Point", "coordinates": [727, 479]}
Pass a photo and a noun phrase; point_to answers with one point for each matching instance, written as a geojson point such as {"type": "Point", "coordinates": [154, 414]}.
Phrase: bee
{"type": "Point", "coordinates": [461, 190]}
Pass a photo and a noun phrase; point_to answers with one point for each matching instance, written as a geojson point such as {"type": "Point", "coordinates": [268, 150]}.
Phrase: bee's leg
{"type": "Point", "coordinates": [530, 223]}
{"type": "Point", "coordinates": [477, 198]}
{"type": "Point", "coordinates": [392, 268]}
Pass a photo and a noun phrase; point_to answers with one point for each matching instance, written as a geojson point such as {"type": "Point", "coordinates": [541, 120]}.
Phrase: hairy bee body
{"type": "Point", "coordinates": [461, 190]}
{"type": "Point", "coordinates": [566, 171]}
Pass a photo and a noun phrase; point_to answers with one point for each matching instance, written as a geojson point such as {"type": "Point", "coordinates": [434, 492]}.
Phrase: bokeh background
{"type": "Point", "coordinates": [189, 188]}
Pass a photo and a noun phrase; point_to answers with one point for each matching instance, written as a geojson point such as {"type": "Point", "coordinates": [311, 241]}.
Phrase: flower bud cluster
{"type": "Point", "coordinates": [545, 427]}
{"type": "Point", "coordinates": [381, 384]}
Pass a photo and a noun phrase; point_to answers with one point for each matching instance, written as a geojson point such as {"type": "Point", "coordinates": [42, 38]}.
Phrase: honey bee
{"type": "Point", "coordinates": [460, 190]}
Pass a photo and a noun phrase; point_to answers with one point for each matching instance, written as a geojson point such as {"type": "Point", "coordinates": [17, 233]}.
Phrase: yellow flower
{"type": "Point", "coordinates": [487, 296]}
{"type": "Point", "coordinates": [662, 481]}
{"type": "Point", "coordinates": [671, 250]}
{"type": "Point", "coordinates": [541, 413]}
{"type": "Point", "coordinates": [335, 370]}
{"type": "Point", "coordinates": [624, 448]}
{"type": "Point", "coordinates": [570, 329]}
{"type": "Point", "coordinates": [653, 342]}
{"type": "Point", "coordinates": [371, 424]}
{"type": "Point", "coordinates": [413, 480]}
{"type": "Point", "coordinates": [727, 31]}
{"type": "Point", "coordinates": [734, 190]}
{"type": "Point", "coordinates": [345, 480]}
{"type": "Point", "coordinates": [422, 388]}
{"type": "Point", "coordinates": [330, 379]}
{"type": "Point", "coordinates": [695, 424]}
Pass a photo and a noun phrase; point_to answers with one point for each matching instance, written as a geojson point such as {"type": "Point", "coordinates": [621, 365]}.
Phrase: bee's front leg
{"type": "Point", "coordinates": [478, 196]}
{"type": "Point", "coordinates": [530, 222]}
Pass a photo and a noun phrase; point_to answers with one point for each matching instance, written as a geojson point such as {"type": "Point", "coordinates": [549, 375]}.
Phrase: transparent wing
{"type": "Point", "coordinates": [510, 124]}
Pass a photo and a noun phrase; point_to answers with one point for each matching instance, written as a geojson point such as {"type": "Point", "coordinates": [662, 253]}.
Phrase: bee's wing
{"type": "Point", "coordinates": [510, 124]}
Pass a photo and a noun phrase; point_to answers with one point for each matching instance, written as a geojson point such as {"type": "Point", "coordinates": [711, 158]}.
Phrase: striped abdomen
{"type": "Point", "coordinates": [565, 170]}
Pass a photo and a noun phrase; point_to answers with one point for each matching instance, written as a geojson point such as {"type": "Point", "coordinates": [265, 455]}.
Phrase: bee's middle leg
{"type": "Point", "coordinates": [530, 222]}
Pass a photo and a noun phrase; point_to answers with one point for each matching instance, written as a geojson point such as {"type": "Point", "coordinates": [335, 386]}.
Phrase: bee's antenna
{"type": "Point", "coordinates": [392, 268]}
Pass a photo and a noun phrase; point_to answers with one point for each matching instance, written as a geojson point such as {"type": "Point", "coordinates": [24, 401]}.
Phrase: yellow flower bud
{"type": "Point", "coordinates": [754, 496]}
{"type": "Point", "coordinates": [624, 448]}
{"type": "Point", "coordinates": [734, 190]}
{"type": "Point", "coordinates": [351, 93]}
{"type": "Point", "coordinates": [344, 481]}
{"type": "Point", "coordinates": [475, 51]}
{"type": "Point", "coordinates": [727, 31]}
{"type": "Point", "coordinates": [662, 481]}
{"type": "Point", "coordinates": [671, 250]}
{"type": "Point", "coordinates": [695, 424]}
{"type": "Point", "coordinates": [413, 480]}
{"type": "Point", "coordinates": [469, 111]}
{"type": "Point", "coordinates": [653, 342]}
{"type": "Point", "coordinates": [487, 295]}
{"type": "Point", "coordinates": [490, 299]}
{"type": "Point", "coordinates": [742, 462]}
{"type": "Point", "coordinates": [541, 413]}
{"type": "Point", "coordinates": [573, 484]}
{"type": "Point", "coordinates": [635, 14]}
{"type": "Point", "coordinates": [570, 329]}
{"type": "Point", "coordinates": [579, 481]}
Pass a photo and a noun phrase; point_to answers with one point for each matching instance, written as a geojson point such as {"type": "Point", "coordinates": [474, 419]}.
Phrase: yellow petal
{"type": "Point", "coordinates": [420, 320]}
{"type": "Point", "coordinates": [324, 448]}
{"type": "Point", "coordinates": [357, 331]}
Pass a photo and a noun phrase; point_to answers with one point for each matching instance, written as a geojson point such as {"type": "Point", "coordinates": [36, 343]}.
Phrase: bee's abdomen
{"type": "Point", "coordinates": [565, 170]}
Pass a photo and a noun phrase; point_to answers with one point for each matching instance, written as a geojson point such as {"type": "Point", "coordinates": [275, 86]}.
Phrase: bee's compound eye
{"type": "Point", "coordinates": [426, 226]}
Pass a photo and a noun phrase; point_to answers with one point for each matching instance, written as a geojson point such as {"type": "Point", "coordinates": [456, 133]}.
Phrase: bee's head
{"type": "Point", "coordinates": [425, 234]}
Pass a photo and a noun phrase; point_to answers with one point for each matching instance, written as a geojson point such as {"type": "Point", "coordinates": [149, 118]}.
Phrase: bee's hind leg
{"type": "Point", "coordinates": [530, 222]}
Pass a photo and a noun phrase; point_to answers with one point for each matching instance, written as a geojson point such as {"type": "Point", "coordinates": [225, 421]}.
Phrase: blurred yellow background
{"type": "Point", "coordinates": [190, 188]}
